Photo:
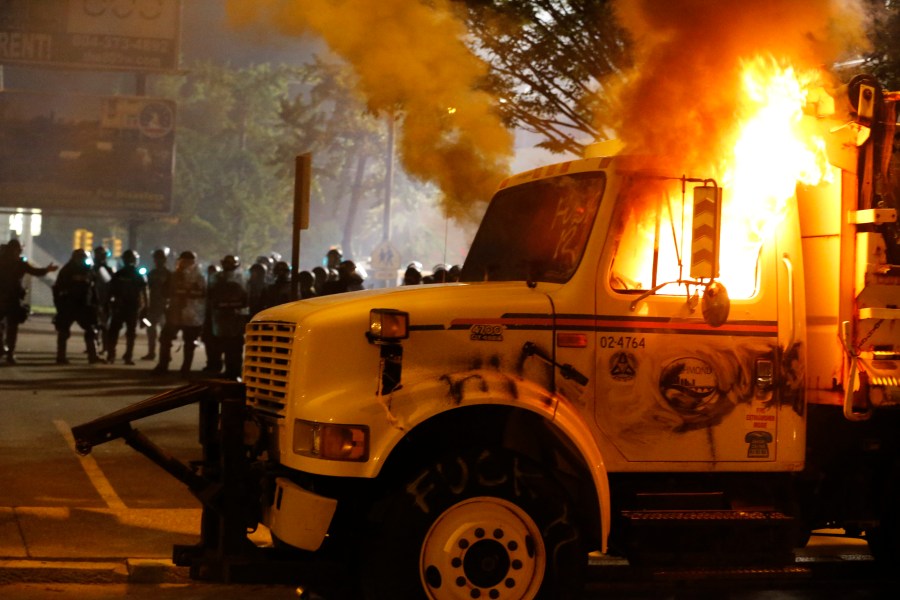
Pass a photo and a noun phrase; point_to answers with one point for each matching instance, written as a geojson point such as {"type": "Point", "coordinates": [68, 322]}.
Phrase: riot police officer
{"type": "Point", "coordinates": [127, 297]}
{"type": "Point", "coordinates": [185, 312]}
{"type": "Point", "coordinates": [158, 294]}
{"type": "Point", "coordinates": [103, 273]}
{"type": "Point", "coordinates": [13, 310]}
{"type": "Point", "coordinates": [279, 291]}
{"type": "Point", "coordinates": [256, 288]}
{"type": "Point", "coordinates": [228, 302]}
{"type": "Point", "coordinates": [75, 298]}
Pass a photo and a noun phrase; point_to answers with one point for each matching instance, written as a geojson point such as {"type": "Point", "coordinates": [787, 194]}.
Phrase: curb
{"type": "Point", "coordinates": [131, 570]}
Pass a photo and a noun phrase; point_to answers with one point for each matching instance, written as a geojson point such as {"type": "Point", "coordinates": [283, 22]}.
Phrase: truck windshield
{"type": "Point", "coordinates": [536, 231]}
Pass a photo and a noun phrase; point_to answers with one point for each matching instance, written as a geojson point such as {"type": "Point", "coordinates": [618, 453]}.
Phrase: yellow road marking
{"type": "Point", "coordinates": [91, 468]}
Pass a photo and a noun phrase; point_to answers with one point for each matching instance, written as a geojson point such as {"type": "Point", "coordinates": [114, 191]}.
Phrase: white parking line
{"type": "Point", "coordinates": [92, 469]}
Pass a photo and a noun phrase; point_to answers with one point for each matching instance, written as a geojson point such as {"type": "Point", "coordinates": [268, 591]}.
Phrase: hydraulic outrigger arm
{"type": "Point", "coordinates": [118, 425]}
{"type": "Point", "coordinates": [220, 480]}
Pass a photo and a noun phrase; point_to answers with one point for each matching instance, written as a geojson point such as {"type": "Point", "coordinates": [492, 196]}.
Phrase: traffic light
{"type": "Point", "coordinates": [117, 247]}
{"type": "Point", "coordinates": [83, 238]}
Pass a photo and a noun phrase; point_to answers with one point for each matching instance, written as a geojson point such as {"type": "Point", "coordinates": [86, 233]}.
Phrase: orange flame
{"type": "Point", "coordinates": [771, 149]}
{"type": "Point", "coordinates": [773, 152]}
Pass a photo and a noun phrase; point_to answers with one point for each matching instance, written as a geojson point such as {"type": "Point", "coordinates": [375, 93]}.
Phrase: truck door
{"type": "Point", "coordinates": [675, 380]}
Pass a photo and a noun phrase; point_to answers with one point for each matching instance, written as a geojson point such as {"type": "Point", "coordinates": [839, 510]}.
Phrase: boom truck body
{"type": "Point", "coordinates": [621, 369]}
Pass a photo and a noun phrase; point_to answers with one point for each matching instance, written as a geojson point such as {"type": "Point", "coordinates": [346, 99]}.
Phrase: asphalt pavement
{"type": "Point", "coordinates": [70, 524]}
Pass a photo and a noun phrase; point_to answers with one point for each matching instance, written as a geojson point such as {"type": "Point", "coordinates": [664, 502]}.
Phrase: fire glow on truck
{"type": "Point", "coordinates": [675, 364]}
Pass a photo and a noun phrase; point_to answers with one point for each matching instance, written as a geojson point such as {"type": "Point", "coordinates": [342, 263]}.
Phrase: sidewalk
{"type": "Point", "coordinates": [62, 545]}
{"type": "Point", "coordinates": [78, 544]}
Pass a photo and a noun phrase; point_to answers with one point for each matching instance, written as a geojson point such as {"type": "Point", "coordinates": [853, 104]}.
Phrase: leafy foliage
{"type": "Point", "coordinates": [227, 199]}
{"type": "Point", "coordinates": [551, 60]}
{"type": "Point", "coordinates": [884, 59]}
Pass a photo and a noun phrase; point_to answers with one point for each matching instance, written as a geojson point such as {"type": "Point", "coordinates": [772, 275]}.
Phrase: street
{"type": "Point", "coordinates": [103, 526]}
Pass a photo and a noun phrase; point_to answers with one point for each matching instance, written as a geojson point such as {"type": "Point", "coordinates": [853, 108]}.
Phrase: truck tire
{"type": "Point", "coordinates": [486, 524]}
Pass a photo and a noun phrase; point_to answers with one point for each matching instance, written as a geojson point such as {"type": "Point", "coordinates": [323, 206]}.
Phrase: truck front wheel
{"type": "Point", "coordinates": [486, 524]}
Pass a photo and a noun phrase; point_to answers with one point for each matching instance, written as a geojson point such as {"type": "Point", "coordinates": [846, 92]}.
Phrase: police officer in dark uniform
{"type": "Point", "coordinates": [185, 312]}
{"type": "Point", "coordinates": [279, 291]}
{"type": "Point", "coordinates": [213, 352]}
{"type": "Point", "coordinates": [158, 291]}
{"type": "Point", "coordinates": [256, 288]}
{"type": "Point", "coordinates": [103, 273]}
{"type": "Point", "coordinates": [127, 298]}
{"type": "Point", "coordinates": [13, 268]}
{"type": "Point", "coordinates": [228, 301]}
{"type": "Point", "coordinates": [75, 298]}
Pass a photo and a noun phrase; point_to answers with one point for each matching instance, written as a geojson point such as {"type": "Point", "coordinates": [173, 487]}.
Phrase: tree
{"type": "Point", "coordinates": [350, 149]}
{"type": "Point", "coordinates": [884, 59]}
{"type": "Point", "coordinates": [228, 198]}
{"type": "Point", "coordinates": [550, 61]}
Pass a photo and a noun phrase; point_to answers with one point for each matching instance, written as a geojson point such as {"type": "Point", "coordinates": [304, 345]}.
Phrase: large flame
{"type": "Point", "coordinates": [729, 115]}
{"type": "Point", "coordinates": [770, 150]}
{"type": "Point", "coordinates": [772, 153]}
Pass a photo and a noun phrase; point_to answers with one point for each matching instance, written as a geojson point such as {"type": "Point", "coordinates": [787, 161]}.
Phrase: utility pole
{"type": "Point", "coordinates": [388, 179]}
{"type": "Point", "coordinates": [302, 180]}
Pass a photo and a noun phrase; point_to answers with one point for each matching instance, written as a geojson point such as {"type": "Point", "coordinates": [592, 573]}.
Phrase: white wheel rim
{"type": "Point", "coordinates": [483, 548]}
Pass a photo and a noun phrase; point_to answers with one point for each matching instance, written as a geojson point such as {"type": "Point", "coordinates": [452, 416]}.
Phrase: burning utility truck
{"type": "Point", "coordinates": [639, 360]}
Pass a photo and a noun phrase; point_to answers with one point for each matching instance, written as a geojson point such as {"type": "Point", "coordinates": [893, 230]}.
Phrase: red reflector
{"type": "Point", "coordinates": [571, 340]}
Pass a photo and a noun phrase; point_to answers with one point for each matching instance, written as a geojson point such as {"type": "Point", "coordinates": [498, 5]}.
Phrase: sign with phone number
{"type": "Point", "coordinates": [132, 35]}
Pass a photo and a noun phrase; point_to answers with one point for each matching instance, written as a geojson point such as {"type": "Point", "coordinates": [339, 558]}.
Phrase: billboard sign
{"type": "Point", "coordinates": [69, 153]}
{"type": "Point", "coordinates": [132, 35]}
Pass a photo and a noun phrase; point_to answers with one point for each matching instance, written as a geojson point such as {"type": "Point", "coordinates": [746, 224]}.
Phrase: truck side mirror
{"type": "Point", "coordinates": [715, 304]}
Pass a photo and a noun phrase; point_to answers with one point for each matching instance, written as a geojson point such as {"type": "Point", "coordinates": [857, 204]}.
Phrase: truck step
{"type": "Point", "coordinates": [708, 538]}
{"type": "Point", "coordinates": [679, 501]}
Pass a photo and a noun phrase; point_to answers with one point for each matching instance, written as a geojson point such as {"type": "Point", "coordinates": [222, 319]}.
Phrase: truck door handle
{"type": "Point", "coordinates": [789, 266]}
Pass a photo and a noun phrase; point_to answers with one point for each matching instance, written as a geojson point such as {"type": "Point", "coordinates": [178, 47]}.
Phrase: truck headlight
{"type": "Point", "coordinates": [331, 441]}
{"type": "Point", "coordinates": [387, 325]}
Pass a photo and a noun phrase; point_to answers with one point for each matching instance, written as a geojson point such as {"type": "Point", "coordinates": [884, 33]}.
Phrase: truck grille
{"type": "Point", "coordinates": [267, 365]}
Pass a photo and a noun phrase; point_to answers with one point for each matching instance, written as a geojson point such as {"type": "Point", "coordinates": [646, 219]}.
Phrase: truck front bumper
{"type": "Point", "coordinates": [297, 516]}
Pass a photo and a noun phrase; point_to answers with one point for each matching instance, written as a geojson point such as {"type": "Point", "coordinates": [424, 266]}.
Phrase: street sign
{"type": "Point", "coordinates": [72, 153]}
{"type": "Point", "coordinates": [132, 35]}
{"type": "Point", "coordinates": [385, 261]}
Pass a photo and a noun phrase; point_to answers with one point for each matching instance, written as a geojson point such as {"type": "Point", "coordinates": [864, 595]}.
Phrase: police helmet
{"type": "Point", "coordinates": [412, 276]}
{"type": "Point", "coordinates": [282, 268]}
{"type": "Point", "coordinates": [230, 262]}
{"type": "Point", "coordinates": [130, 257]}
{"type": "Point", "coordinates": [80, 255]}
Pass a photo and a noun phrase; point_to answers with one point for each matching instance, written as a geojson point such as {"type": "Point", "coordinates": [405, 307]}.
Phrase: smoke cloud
{"type": "Point", "coordinates": [681, 97]}
{"type": "Point", "coordinates": [411, 63]}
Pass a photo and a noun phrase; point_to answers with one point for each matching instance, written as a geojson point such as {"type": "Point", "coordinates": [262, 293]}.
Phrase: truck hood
{"type": "Point", "coordinates": [426, 304]}
{"type": "Point", "coordinates": [327, 365]}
